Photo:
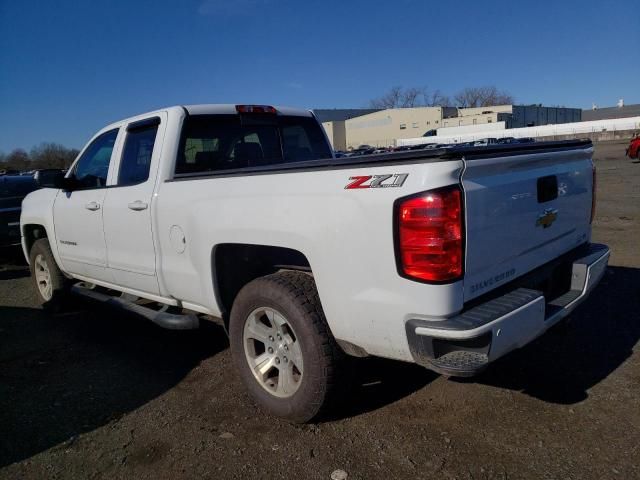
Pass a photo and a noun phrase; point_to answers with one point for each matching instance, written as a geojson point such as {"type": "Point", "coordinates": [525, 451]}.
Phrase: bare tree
{"type": "Point", "coordinates": [18, 159]}
{"type": "Point", "coordinates": [411, 97]}
{"type": "Point", "coordinates": [482, 97]}
{"type": "Point", "coordinates": [394, 98]}
{"type": "Point", "coordinates": [399, 97]}
{"type": "Point", "coordinates": [45, 155]}
{"type": "Point", "coordinates": [52, 155]}
{"type": "Point", "coordinates": [436, 99]}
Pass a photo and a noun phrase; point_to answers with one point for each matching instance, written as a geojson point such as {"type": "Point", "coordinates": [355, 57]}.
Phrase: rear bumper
{"type": "Point", "coordinates": [465, 344]}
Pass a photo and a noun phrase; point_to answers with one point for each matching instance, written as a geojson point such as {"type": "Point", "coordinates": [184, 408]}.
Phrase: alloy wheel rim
{"type": "Point", "coordinates": [273, 352]}
{"type": "Point", "coordinates": [43, 277]}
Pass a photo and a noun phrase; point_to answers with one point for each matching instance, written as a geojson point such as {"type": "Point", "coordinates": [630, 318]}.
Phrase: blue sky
{"type": "Point", "coordinates": [69, 67]}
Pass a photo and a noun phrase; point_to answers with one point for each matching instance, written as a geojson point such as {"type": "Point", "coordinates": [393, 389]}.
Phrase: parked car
{"type": "Point", "coordinates": [447, 259]}
{"type": "Point", "coordinates": [511, 140]}
{"type": "Point", "coordinates": [363, 150]}
{"type": "Point", "coordinates": [633, 150]}
{"type": "Point", "coordinates": [485, 142]}
{"type": "Point", "coordinates": [13, 189]}
{"type": "Point", "coordinates": [506, 140]}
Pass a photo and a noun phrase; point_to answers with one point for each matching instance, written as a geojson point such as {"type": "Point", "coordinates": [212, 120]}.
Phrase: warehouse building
{"type": "Point", "coordinates": [333, 120]}
{"type": "Point", "coordinates": [349, 129]}
{"type": "Point", "coordinates": [515, 116]}
{"type": "Point", "coordinates": [535, 115]}
{"type": "Point", "coordinates": [622, 111]}
{"type": "Point", "coordinates": [340, 114]}
{"type": "Point", "coordinates": [476, 116]}
{"type": "Point", "coordinates": [381, 128]}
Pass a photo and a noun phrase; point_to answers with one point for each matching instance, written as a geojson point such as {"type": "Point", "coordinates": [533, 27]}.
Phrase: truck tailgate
{"type": "Point", "coordinates": [523, 209]}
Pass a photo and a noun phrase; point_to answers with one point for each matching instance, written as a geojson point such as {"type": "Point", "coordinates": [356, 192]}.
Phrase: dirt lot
{"type": "Point", "coordinates": [95, 394]}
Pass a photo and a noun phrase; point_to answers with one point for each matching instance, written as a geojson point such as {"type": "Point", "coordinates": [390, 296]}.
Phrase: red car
{"type": "Point", "coordinates": [633, 150]}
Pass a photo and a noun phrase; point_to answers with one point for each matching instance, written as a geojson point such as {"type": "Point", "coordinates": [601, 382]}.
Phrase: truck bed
{"type": "Point", "coordinates": [403, 157]}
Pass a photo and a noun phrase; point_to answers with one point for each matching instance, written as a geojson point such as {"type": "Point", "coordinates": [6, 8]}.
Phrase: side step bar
{"type": "Point", "coordinates": [167, 320]}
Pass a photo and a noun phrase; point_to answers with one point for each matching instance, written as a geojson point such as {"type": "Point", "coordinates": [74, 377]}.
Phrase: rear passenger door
{"type": "Point", "coordinates": [131, 254]}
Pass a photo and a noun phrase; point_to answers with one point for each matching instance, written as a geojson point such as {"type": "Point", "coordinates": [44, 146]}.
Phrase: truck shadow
{"type": "Point", "coordinates": [561, 366]}
{"type": "Point", "coordinates": [69, 374]}
{"type": "Point", "coordinates": [377, 382]}
{"type": "Point", "coordinates": [66, 375]}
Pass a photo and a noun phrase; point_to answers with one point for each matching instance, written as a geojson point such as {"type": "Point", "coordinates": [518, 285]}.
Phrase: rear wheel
{"type": "Point", "coordinates": [282, 346]}
{"type": "Point", "coordinates": [273, 352]}
{"type": "Point", "coordinates": [51, 284]}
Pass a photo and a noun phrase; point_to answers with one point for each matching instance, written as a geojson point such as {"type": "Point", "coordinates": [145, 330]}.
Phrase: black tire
{"type": "Point", "coordinates": [41, 254]}
{"type": "Point", "coordinates": [294, 295]}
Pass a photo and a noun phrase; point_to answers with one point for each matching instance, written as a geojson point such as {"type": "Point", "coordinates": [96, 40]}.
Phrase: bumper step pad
{"type": "Point", "coordinates": [460, 363]}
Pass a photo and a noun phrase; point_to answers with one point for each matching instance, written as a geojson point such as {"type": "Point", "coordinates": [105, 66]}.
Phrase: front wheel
{"type": "Point", "coordinates": [51, 284]}
{"type": "Point", "coordinates": [282, 346]}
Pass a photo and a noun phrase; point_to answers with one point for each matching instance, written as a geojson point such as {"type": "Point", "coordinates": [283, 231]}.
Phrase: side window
{"type": "Point", "coordinates": [93, 166]}
{"type": "Point", "coordinates": [136, 155]}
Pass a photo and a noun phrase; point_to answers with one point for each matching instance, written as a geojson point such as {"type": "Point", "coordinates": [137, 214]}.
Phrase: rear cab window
{"type": "Point", "coordinates": [211, 143]}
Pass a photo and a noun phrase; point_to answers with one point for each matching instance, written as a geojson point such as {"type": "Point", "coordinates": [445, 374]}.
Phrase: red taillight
{"type": "Point", "coordinates": [593, 194]}
{"type": "Point", "coordinates": [255, 109]}
{"type": "Point", "coordinates": [430, 245]}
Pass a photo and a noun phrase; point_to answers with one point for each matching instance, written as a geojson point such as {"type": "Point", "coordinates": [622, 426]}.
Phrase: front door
{"type": "Point", "coordinates": [77, 214]}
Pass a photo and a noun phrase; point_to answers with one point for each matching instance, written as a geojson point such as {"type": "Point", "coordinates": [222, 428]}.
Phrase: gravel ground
{"type": "Point", "coordinates": [97, 394]}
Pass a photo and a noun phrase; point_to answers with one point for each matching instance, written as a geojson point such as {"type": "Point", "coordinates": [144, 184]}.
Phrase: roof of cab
{"type": "Point", "coordinates": [230, 108]}
{"type": "Point", "coordinates": [203, 109]}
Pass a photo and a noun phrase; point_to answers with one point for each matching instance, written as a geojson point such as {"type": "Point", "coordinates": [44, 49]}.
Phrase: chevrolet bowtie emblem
{"type": "Point", "coordinates": [547, 218]}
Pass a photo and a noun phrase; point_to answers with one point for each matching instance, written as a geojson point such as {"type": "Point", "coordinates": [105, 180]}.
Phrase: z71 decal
{"type": "Point", "coordinates": [377, 181]}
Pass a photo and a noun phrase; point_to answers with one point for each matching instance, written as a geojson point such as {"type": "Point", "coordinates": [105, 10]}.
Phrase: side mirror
{"type": "Point", "coordinates": [51, 178]}
{"type": "Point", "coordinates": [69, 184]}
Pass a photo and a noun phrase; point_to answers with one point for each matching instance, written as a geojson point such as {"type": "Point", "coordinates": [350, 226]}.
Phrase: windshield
{"type": "Point", "coordinates": [222, 142]}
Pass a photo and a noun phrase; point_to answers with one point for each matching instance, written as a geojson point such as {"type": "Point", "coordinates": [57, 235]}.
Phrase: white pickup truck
{"type": "Point", "coordinates": [449, 258]}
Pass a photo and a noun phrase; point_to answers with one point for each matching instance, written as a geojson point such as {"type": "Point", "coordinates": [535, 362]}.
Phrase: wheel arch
{"type": "Point", "coordinates": [233, 265]}
{"type": "Point", "coordinates": [30, 233]}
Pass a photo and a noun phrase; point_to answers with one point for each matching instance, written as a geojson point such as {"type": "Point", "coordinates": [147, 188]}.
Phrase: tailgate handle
{"type": "Point", "coordinates": [547, 188]}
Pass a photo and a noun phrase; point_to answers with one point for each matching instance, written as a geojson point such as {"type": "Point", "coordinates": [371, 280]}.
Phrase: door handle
{"type": "Point", "coordinates": [93, 206]}
{"type": "Point", "coordinates": [138, 205]}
